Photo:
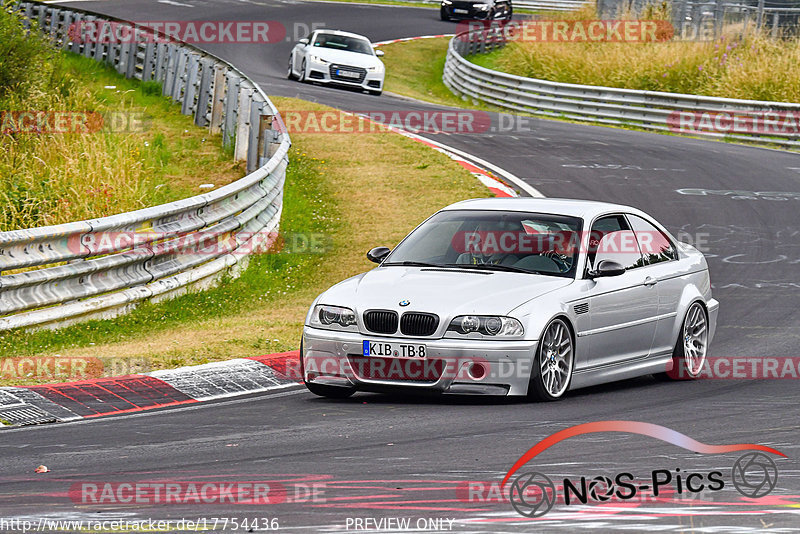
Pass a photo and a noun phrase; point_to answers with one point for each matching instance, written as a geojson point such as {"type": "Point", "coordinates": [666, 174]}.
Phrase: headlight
{"type": "Point", "coordinates": [334, 318]}
{"type": "Point", "coordinates": [446, 2]}
{"type": "Point", "coordinates": [487, 325]}
{"type": "Point", "coordinates": [317, 59]}
{"type": "Point", "coordinates": [377, 68]}
{"type": "Point", "coordinates": [482, 7]}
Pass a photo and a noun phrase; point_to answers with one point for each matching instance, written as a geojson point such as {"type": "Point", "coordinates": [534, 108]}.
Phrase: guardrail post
{"type": "Point", "coordinates": [88, 45]}
{"type": "Point", "coordinates": [77, 32]}
{"type": "Point", "coordinates": [233, 83]}
{"type": "Point", "coordinates": [180, 75]}
{"type": "Point", "coordinates": [268, 139]}
{"type": "Point", "coordinates": [148, 66]}
{"type": "Point", "coordinates": [719, 14]}
{"type": "Point", "coordinates": [193, 65]}
{"type": "Point", "coordinates": [170, 73]}
{"type": "Point", "coordinates": [133, 55]}
{"type": "Point", "coordinates": [99, 45]}
{"type": "Point", "coordinates": [254, 141]}
{"type": "Point", "coordinates": [42, 14]}
{"type": "Point", "coordinates": [162, 62]}
{"type": "Point", "coordinates": [243, 123]}
{"type": "Point", "coordinates": [28, 16]}
{"type": "Point", "coordinates": [775, 24]}
{"type": "Point", "coordinates": [204, 94]}
{"type": "Point", "coordinates": [53, 29]}
{"type": "Point", "coordinates": [217, 100]}
{"type": "Point", "coordinates": [760, 15]}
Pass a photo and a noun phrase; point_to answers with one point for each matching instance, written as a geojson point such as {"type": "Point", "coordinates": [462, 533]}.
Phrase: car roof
{"type": "Point", "coordinates": [339, 32]}
{"type": "Point", "coordinates": [585, 209]}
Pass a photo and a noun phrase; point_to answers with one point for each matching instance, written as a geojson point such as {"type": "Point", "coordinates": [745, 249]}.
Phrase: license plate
{"type": "Point", "coordinates": [393, 350]}
{"type": "Point", "coordinates": [347, 74]}
{"type": "Point", "coordinates": [461, 11]}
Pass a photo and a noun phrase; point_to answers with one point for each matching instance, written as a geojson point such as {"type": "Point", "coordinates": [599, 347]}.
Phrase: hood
{"type": "Point", "coordinates": [446, 292]}
{"type": "Point", "coordinates": [344, 57]}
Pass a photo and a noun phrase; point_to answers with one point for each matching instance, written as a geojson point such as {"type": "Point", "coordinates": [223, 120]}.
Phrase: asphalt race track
{"type": "Point", "coordinates": [376, 456]}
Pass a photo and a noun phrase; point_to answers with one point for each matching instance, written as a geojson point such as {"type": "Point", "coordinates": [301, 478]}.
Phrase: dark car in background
{"type": "Point", "coordinates": [476, 10]}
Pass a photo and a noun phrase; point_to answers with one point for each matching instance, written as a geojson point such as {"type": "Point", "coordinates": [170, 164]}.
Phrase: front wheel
{"type": "Point", "coordinates": [302, 77]}
{"type": "Point", "coordinates": [689, 355]}
{"type": "Point", "coordinates": [443, 14]}
{"type": "Point", "coordinates": [290, 74]}
{"type": "Point", "coordinates": [552, 369]}
{"type": "Point", "coordinates": [376, 93]}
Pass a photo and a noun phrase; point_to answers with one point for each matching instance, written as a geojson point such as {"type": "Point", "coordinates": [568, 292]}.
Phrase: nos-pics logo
{"type": "Point", "coordinates": [533, 494]}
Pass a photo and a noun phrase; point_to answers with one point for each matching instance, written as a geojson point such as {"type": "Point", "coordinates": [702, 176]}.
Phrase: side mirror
{"type": "Point", "coordinates": [303, 41]}
{"type": "Point", "coordinates": [379, 53]}
{"type": "Point", "coordinates": [378, 254]}
{"type": "Point", "coordinates": [607, 268]}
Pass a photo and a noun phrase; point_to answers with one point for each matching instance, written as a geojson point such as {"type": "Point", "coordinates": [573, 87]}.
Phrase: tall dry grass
{"type": "Point", "coordinates": [60, 177]}
{"type": "Point", "coordinates": [734, 66]}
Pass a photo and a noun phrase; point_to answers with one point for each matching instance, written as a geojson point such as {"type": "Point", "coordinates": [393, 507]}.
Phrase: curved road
{"type": "Point", "coordinates": [385, 457]}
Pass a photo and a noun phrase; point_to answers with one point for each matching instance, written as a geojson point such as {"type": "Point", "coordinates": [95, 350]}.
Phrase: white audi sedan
{"type": "Point", "coordinates": [515, 296]}
{"type": "Point", "coordinates": [338, 58]}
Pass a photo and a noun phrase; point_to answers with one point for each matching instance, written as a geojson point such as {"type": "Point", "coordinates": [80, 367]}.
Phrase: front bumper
{"type": "Point", "coordinates": [494, 367]}
{"type": "Point", "coordinates": [465, 12]}
{"type": "Point", "coordinates": [327, 73]}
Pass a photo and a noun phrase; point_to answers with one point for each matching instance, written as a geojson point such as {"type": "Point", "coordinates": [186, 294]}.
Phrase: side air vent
{"type": "Point", "coordinates": [581, 308]}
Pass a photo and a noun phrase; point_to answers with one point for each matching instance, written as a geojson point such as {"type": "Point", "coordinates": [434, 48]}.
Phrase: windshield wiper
{"type": "Point", "coordinates": [412, 264]}
{"type": "Point", "coordinates": [493, 267]}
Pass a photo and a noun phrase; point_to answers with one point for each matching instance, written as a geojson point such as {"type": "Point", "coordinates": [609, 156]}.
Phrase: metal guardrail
{"type": "Point", "coordinates": [550, 5]}
{"type": "Point", "coordinates": [644, 109]}
{"type": "Point", "coordinates": [103, 267]}
{"type": "Point", "coordinates": [706, 19]}
{"type": "Point", "coordinates": [534, 5]}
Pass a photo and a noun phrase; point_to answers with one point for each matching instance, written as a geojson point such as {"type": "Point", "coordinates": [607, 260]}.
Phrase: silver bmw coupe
{"type": "Point", "coordinates": [515, 296]}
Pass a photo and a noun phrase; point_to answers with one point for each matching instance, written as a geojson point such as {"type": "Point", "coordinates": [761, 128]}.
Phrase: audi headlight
{"type": "Point", "coordinates": [486, 325]}
{"type": "Point", "coordinates": [377, 68]}
{"type": "Point", "coordinates": [333, 318]}
{"type": "Point", "coordinates": [317, 59]}
{"type": "Point", "coordinates": [482, 7]}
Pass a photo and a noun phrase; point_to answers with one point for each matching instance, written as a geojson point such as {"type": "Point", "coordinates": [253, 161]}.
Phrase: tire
{"type": "Point", "coordinates": [302, 76]}
{"type": "Point", "coordinates": [552, 370]}
{"type": "Point", "coordinates": [321, 390]}
{"type": "Point", "coordinates": [376, 93]}
{"type": "Point", "coordinates": [290, 75]}
{"type": "Point", "coordinates": [510, 14]}
{"type": "Point", "coordinates": [689, 354]}
{"type": "Point", "coordinates": [443, 14]}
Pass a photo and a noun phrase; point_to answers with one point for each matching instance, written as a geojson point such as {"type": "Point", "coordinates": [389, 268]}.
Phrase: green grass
{"type": "Point", "coordinates": [414, 69]}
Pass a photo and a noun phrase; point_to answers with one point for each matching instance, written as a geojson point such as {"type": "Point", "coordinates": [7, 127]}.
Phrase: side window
{"type": "Point", "coordinates": [612, 239]}
{"type": "Point", "coordinates": [655, 246]}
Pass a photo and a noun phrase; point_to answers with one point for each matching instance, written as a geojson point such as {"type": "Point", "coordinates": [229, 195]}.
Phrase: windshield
{"type": "Point", "coordinates": [343, 42]}
{"type": "Point", "coordinates": [493, 240]}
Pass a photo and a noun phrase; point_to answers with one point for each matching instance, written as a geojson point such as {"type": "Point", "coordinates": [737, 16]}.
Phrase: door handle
{"type": "Point", "coordinates": [650, 281]}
